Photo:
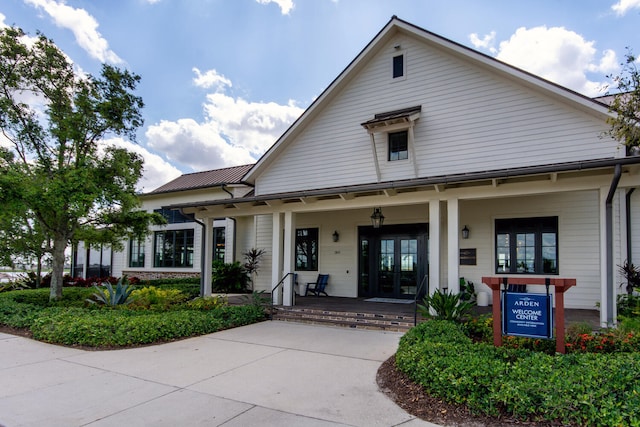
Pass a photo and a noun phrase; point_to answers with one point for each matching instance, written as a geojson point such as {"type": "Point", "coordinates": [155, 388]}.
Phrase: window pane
{"type": "Point", "coordinates": [503, 253]}
{"type": "Point", "coordinates": [307, 249]}
{"type": "Point", "coordinates": [398, 66]}
{"type": "Point", "coordinates": [398, 145]}
{"type": "Point", "coordinates": [136, 253]}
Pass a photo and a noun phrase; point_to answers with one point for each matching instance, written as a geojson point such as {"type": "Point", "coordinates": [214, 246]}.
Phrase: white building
{"type": "Point", "coordinates": [438, 138]}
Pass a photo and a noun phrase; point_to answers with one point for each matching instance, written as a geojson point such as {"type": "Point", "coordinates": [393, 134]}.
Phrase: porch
{"type": "Point", "coordinates": [360, 313]}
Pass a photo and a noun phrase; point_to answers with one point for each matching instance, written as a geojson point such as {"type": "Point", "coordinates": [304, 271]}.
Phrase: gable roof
{"type": "Point", "coordinates": [398, 26]}
{"type": "Point", "coordinates": [211, 178]}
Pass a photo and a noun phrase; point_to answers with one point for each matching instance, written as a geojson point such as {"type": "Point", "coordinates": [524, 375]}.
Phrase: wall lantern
{"type": "Point", "coordinates": [465, 232]}
{"type": "Point", "coordinates": [336, 236]}
{"type": "Point", "coordinates": [377, 219]}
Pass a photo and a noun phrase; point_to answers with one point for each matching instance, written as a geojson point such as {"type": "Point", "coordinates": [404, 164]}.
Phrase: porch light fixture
{"type": "Point", "coordinates": [336, 236]}
{"type": "Point", "coordinates": [465, 232]}
{"type": "Point", "coordinates": [377, 219]}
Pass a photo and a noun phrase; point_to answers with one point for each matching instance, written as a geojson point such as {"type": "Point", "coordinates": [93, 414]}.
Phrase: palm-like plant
{"type": "Point", "coordinates": [447, 306]}
{"type": "Point", "coordinates": [105, 294]}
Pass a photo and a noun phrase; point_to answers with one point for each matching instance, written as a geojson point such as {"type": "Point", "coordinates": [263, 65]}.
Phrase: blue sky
{"type": "Point", "coordinates": [223, 79]}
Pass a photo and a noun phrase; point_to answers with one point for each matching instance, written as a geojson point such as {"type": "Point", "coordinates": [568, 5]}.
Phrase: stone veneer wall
{"type": "Point", "coordinates": [150, 275]}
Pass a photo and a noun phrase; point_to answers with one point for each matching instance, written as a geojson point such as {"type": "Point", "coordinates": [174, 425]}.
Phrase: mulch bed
{"type": "Point", "coordinates": [412, 398]}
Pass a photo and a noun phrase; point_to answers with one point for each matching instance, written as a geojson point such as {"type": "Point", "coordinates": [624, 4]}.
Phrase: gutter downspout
{"type": "Point", "coordinates": [235, 224]}
{"type": "Point", "coordinates": [610, 304]}
{"type": "Point", "coordinates": [628, 219]}
{"type": "Point", "coordinates": [202, 250]}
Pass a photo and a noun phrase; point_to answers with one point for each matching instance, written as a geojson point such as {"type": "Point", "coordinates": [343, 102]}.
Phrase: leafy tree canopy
{"type": "Point", "coordinates": [57, 165]}
{"type": "Point", "coordinates": [625, 126]}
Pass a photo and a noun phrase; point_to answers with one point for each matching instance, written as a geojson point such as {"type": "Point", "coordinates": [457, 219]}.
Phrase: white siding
{"type": "Point", "coordinates": [471, 120]}
{"type": "Point", "coordinates": [578, 238]}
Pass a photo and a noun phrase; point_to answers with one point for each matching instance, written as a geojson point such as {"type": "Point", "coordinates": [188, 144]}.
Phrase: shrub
{"type": "Point", "coordinates": [102, 328]}
{"type": "Point", "coordinates": [229, 277]}
{"type": "Point", "coordinates": [207, 302]}
{"type": "Point", "coordinates": [447, 306]}
{"type": "Point", "coordinates": [111, 297]}
{"type": "Point", "coordinates": [150, 297]}
{"type": "Point", "coordinates": [574, 389]}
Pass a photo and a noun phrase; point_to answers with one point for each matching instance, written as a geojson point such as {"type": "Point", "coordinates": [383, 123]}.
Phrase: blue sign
{"type": "Point", "coordinates": [527, 315]}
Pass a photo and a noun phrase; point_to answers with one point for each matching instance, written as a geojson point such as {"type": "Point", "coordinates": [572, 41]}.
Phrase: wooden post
{"type": "Point", "coordinates": [560, 286]}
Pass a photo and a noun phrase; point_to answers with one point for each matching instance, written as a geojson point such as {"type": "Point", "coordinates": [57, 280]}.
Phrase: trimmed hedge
{"type": "Point", "coordinates": [110, 328]}
{"type": "Point", "coordinates": [72, 322]}
{"type": "Point", "coordinates": [574, 389]}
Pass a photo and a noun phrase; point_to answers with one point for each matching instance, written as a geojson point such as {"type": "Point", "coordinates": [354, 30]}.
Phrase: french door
{"type": "Point", "coordinates": [393, 261]}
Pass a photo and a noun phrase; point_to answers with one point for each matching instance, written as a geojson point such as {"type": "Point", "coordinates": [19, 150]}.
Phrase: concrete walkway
{"type": "Point", "coordinates": [267, 374]}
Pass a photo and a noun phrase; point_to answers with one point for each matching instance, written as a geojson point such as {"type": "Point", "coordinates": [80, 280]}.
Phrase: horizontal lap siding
{"type": "Point", "coordinates": [471, 120]}
{"type": "Point", "coordinates": [578, 238]}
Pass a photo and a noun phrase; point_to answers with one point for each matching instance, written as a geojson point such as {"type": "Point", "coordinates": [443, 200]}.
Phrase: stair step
{"type": "Point", "coordinates": [376, 321]}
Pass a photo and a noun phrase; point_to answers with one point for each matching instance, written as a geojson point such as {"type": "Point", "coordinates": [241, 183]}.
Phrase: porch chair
{"type": "Point", "coordinates": [319, 286]}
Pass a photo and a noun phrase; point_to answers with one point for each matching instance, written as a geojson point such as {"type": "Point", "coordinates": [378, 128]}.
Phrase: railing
{"type": "Point", "coordinates": [415, 299]}
{"type": "Point", "coordinates": [280, 283]}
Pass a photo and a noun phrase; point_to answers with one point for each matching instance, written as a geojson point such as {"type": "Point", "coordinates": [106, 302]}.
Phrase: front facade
{"type": "Point", "coordinates": [479, 169]}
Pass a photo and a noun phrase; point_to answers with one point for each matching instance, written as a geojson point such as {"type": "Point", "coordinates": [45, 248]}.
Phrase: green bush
{"type": "Point", "coordinates": [106, 294]}
{"type": "Point", "coordinates": [447, 306]}
{"type": "Point", "coordinates": [102, 328]}
{"type": "Point", "coordinates": [150, 297]}
{"type": "Point", "coordinates": [229, 277]}
{"type": "Point", "coordinates": [574, 389]}
{"type": "Point", "coordinates": [207, 302]}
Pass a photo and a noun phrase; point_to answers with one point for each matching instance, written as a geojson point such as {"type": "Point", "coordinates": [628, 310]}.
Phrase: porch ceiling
{"type": "Point", "coordinates": [439, 184]}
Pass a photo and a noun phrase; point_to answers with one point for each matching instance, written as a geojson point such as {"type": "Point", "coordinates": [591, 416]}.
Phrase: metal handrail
{"type": "Point", "coordinates": [273, 289]}
{"type": "Point", "coordinates": [415, 299]}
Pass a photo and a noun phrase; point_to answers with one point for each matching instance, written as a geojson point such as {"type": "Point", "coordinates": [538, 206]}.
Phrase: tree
{"type": "Point", "coordinates": [58, 167]}
{"type": "Point", "coordinates": [625, 126]}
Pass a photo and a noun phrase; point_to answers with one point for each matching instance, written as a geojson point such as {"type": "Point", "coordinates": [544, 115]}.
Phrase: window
{"type": "Point", "coordinates": [398, 145]}
{"type": "Point", "coordinates": [136, 253]}
{"type": "Point", "coordinates": [527, 245]}
{"type": "Point", "coordinates": [173, 216]}
{"type": "Point", "coordinates": [98, 261]}
{"type": "Point", "coordinates": [307, 249]}
{"type": "Point", "coordinates": [173, 248]}
{"type": "Point", "coordinates": [398, 66]}
{"type": "Point", "coordinates": [218, 244]}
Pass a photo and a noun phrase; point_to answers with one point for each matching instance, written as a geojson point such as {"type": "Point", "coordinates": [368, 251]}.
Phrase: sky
{"type": "Point", "coordinates": [223, 79]}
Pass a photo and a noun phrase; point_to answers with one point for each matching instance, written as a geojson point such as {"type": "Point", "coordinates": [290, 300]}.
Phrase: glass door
{"type": "Point", "coordinates": [398, 267]}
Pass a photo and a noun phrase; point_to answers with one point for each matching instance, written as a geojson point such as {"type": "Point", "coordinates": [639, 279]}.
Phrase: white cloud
{"type": "Point", "coordinates": [210, 79]}
{"type": "Point", "coordinates": [233, 132]}
{"type": "Point", "coordinates": [486, 42]}
{"type": "Point", "coordinates": [559, 55]}
{"type": "Point", "coordinates": [83, 26]}
{"type": "Point", "coordinates": [623, 6]}
{"type": "Point", "coordinates": [2, 23]}
{"type": "Point", "coordinates": [285, 5]}
{"type": "Point", "coordinates": [157, 171]}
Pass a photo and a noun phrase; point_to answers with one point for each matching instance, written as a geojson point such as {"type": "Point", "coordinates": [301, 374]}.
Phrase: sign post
{"type": "Point", "coordinates": [560, 286]}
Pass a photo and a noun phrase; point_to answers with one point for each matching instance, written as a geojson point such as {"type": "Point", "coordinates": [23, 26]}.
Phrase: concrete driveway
{"type": "Point", "coordinates": [267, 374]}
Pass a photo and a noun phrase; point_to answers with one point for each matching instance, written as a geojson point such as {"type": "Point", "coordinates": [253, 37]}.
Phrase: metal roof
{"type": "Point", "coordinates": [211, 178]}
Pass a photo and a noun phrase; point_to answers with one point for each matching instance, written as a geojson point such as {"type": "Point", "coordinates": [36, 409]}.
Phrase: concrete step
{"type": "Point", "coordinates": [375, 321]}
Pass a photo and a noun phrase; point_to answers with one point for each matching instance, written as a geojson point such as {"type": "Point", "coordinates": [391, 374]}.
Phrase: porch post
{"type": "Point", "coordinates": [434, 245]}
{"type": "Point", "coordinates": [453, 246]}
{"type": "Point", "coordinates": [276, 258]}
{"type": "Point", "coordinates": [288, 256]}
{"type": "Point", "coordinates": [605, 312]}
{"type": "Point", "coordinates": [207, 269]}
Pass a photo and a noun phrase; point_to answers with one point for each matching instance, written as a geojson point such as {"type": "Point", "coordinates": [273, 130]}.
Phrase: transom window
{"type": "Point", "coordinates": [307, 249]}
{"type": "Point", "coordinates": [399, 145]}
{"type": "Point", "coordinates": [527, 245]}
{"type": "Point", "coordinates": [173, 248]}
{"type": "Point", "coordinates": [173, 216]}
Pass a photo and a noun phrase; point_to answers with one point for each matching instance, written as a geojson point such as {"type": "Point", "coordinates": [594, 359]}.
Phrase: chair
{"type": "Point", "coordinates": [517, 288]}
{"type": "Point", "coordinates": [319, 286]}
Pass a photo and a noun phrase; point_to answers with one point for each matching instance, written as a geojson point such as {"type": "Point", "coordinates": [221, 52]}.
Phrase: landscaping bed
{"type": "Point", "coordinates": [155, 315]}
{"type": "Point", "coordinates": [445, 377]}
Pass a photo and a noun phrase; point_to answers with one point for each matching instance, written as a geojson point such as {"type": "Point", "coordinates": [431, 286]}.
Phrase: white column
{"type": "Point", "coordinates": [453, 246]}
{"type": "Point", "coordinates": [276, 258]}
{"type": "Point", "coordinates": [207, 235]}
{"type": "Point", "coordinates": [434, 245]}
{"type": "Point", "coordinates": [288, 265]}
